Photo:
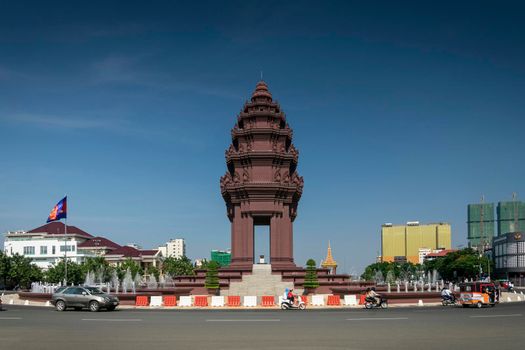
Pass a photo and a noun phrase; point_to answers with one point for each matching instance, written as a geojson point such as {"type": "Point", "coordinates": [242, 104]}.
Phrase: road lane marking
{"type": "Point", "coordinates": [10, 318]}
{"type": "Point", "coordinates": [113, 319]}
{"type": "Point", "coordinates": [487, 316]}
{"type": "Point", "coordinates": [245, 320]}
{"type": "Point", "coordinates": [378, 319]}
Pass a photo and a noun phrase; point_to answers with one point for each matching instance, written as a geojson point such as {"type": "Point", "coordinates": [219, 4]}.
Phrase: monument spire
{"type": "Point", "coordinates": [329, 262]}
{"type": "Point", "coordinates": [261, 185]}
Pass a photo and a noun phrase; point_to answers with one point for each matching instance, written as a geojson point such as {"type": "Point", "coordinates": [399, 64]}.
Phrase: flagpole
{"type": "Point", "coordinates": [65, 251]}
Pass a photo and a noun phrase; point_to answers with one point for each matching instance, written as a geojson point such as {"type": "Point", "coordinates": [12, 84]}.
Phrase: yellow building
{"type": "Point", "coordinates": [403, 242]}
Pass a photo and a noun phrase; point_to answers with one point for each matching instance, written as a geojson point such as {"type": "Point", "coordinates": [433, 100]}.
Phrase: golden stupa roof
{"type": "Point", "coordinates": [329, 261]}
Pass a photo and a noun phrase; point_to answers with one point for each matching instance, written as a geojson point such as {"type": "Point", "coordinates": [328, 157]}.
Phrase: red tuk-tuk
{"type": "Point", "coordinates": [478, 294]}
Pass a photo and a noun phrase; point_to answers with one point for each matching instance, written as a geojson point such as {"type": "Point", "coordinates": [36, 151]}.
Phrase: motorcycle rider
{"type": "Point", "coordinates": [446, 294]}
{"type": "Point", "coordinates": [372, 295]}
{"type": "Point", "coordinates": [291, 297]}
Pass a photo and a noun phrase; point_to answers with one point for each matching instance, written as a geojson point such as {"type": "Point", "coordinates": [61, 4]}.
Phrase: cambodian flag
{"type": "Point", "coordinates": [59, 211]}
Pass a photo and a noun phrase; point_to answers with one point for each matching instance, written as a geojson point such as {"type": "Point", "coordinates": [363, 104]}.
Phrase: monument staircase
{"type": "Point", "coordinates": [260, 282]}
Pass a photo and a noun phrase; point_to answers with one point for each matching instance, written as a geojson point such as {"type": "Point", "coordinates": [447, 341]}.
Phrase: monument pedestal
{"type": "Point", "coordinates": [260, 282]}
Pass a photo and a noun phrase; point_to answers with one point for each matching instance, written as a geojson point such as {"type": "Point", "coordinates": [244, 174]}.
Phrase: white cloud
{"type": "Point", "coordinates": [58, 122]}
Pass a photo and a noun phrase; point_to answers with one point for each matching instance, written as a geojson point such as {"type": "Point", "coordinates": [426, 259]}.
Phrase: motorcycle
{"type": "Point", "coordinates": [448, 301]}
{"type": "Point", "coordinates": [287, 304]}
{"type": "Point", "coordinates": [371, 303]}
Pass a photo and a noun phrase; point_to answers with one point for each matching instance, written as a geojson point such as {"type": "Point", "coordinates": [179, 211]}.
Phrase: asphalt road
{"type": "Point", "coordinates": [500, 327]}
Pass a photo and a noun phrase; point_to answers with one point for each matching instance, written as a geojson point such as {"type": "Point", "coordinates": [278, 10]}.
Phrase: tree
{"type": "Point", "coordinates": [130, 264]}
{"type": "Point", "coordinates": [18, 271]}
{"type": "Point", "coordinates": [99, 266]}
{"type": "Point", "coordinates": [204, 264]}
{"type": "Point", "coordinates": [212, 275]}
{"type": "Point", "coordinates": [56, 273]}
{"type": "Point", "coordinates": [178, 266]}
{"type": "Point", "coordinates": [152, 270]}
{"type": "Point", "coordinates": [459, 265]}
{"type": "Point", "coordinates": [5, 267]}
{"type": "Point", "coordinates": [310, 278]}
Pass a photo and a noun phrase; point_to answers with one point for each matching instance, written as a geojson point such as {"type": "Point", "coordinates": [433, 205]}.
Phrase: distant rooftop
{"type": "Point", "coordinates": [57, 228]}
{"type": "Point", "coordinates": [413, 223]}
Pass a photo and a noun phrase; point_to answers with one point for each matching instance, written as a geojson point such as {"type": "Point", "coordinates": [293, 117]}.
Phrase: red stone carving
{"type": "Point", "coordinates": [262, 185]}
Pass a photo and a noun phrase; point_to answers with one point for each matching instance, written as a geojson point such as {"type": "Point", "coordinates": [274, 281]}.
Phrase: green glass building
{"type": "Point", "coordinates": [480, 225]}
{"type": "Point", "coordinates": [511, 217]}
{"type": "Point", "coordinates": [222, 257]}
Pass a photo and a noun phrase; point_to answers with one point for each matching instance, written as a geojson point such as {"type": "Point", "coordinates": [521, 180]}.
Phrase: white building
{"type": "Point", "coordinates": [175, 248]}
{"type": "Point", "coordinates": [423, 252]}
{"type": "Point", "coordinates": [47, 245]}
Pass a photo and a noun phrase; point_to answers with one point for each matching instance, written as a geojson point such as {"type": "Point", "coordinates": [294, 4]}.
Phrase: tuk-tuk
{"type": "Point", "coordinates": [478, 294]}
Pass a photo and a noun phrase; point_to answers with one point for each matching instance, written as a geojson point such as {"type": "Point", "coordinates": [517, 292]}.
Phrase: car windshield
{"type": "Point", "coordinates": [94, 290]}
{"type": "Point", "coordinates": [60, 289]}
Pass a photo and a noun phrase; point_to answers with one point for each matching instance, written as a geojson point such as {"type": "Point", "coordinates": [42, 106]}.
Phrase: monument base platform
{"type": "Point", "coordinates": [260, 282]}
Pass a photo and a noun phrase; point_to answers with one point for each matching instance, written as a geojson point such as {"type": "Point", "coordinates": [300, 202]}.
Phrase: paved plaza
{"type": "Point", "coordinates": [500, 327]}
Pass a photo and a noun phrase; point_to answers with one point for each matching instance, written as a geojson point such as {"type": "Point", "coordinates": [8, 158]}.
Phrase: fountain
{"type": "Point", "coordinates": [39, 287]}
{"type": "Point", "coordinates": [434, 276]}
{"type": "Point", "coordinates": [152, 282]}
{"type": "Point", "coordinates": [169, 280]}
{"type": "Point", "coordinates": [100, 276]}
{"type": "Point", "coordinates": [390, 277]}
{"type": "Point", "coordinates": [114, 281]}
{"type": "Point", "coordinates": [379, 278]}
{"type": "Point", "coordinates": [127, 282]}
{"type": "Point", "coordinates": [90, 278]}
{"type": "Point", "coordinates": [137, 281]}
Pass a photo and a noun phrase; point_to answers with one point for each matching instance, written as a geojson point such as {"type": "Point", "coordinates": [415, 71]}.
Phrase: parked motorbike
{"type": "Point", "coordinates": [287, 304]}
{"type": "Point", "coordinates": [371, 303]}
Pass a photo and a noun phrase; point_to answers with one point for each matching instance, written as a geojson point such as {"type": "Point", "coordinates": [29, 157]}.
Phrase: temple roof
{"type": "Point", "coordinates": [329, 261]}
{"type": "Point", "coordinates": [261, 90]}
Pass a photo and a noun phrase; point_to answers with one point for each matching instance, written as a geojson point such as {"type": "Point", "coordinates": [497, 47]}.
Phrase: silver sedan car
{"type": "Point", "coordinates": [83, 297]}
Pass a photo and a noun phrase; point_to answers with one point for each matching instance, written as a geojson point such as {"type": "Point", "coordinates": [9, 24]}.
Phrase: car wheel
{"type": "Point", "coordinates": [60, 305]}
{"type": "Point", "coordinates": [94, 306]}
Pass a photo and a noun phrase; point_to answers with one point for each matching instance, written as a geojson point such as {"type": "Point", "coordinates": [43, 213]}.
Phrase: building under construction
{"type": "Point", "coordinates": [481, 222]}
{"type": "Point", "coordinates": [480, 225]}
{"type": "Point", "coordinates": [511, 217]}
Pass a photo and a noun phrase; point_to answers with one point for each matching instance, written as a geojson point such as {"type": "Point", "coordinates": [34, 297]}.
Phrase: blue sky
{"type": "Point", "coordinates": [401, 111]}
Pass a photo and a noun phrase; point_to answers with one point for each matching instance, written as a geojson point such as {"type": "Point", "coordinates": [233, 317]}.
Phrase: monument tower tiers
{"type": "Point", "coordinates": [261, 185]}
